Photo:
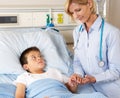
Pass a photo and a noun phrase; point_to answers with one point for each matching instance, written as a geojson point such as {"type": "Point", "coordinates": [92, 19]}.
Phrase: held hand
{"type": "Point", "coordinates": [73, 83]}
{"type": "Point", "coordinates": [75, 79]}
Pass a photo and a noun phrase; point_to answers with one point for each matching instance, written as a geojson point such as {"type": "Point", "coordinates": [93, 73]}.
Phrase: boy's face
{"type": "Point", "coordinates": [35, 61]}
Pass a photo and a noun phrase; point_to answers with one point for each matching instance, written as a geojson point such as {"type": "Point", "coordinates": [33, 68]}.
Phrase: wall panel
{"type": "Point", "coordinates": [4, 3]}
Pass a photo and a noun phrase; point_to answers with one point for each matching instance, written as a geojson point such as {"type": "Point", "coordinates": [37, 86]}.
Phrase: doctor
{"type": "Point", "coordinates": [96, 49]}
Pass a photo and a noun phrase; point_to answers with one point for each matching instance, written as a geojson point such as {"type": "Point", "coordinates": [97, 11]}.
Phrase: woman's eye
{"type": "Point", "coordinates": [78, 10]}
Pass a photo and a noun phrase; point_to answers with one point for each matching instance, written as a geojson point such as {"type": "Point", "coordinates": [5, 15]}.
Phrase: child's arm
{"type": "Point", "coordinates": [72, 82]}
{"type": "Point", "coordinates": [72, 88]}
{"type": "Point", "coordinates": [20, 90]}
{"type": "Point", "coordinates": [72, 85]}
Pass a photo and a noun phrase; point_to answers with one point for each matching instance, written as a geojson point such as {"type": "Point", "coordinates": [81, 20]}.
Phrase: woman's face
{"type": "Point", "coordinates": [80, 12]}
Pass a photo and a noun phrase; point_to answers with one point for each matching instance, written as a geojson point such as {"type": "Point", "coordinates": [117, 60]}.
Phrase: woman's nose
{"type": "Point", "coordinates": [75, 15]}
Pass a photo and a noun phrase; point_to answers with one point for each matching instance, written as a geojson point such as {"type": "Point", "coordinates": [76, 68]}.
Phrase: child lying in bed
{"type": "Point", "coordinates": [37, 83]}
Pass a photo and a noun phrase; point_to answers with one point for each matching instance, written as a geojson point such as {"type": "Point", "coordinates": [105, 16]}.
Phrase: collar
{"type": "Point", "coordinates": [95, 26]}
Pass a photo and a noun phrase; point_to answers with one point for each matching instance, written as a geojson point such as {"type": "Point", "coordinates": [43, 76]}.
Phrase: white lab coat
{"type": "Point", "coordinates": [86, 56]}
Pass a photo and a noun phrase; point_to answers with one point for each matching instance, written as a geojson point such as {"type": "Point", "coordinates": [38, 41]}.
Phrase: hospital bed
{"type": "Point", "coordinates": [14, 40]}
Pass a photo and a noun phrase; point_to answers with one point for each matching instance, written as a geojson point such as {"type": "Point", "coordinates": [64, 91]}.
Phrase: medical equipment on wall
{"type": "Point", "coordinates": [49, 21]}
{"type": "Point", "coordinates": [60, 18]}
{"type": "Point", "coordinates": [101, 63]}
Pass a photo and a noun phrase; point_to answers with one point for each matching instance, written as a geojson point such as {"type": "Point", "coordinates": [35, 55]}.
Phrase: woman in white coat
{"type": "Point", "coordinates": [96, 49]}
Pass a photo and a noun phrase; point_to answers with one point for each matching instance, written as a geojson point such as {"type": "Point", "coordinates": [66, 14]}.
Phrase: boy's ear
{"type": "Point", "coordinates": [25, 66]}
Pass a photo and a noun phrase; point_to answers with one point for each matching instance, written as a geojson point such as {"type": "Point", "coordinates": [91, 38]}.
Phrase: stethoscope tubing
{"type": "Point", "coordinates": [101, 38]}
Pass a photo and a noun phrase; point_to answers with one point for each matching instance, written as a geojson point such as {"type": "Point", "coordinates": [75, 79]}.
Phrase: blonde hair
{"type": "Point", "coordinates": [82, 2]}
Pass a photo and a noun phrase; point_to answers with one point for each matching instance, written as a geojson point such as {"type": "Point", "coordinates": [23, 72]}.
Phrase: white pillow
{"type": "Point", "coordinates": [50, 43]}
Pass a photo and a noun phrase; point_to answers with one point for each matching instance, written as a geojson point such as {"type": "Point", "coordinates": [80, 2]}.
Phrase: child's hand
{"type": "Point", "coordinates": [73, 83]}
{"type": "Point", "coordinates": [75, 79]}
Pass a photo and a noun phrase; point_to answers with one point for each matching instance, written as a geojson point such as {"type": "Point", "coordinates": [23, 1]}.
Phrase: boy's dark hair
{"type": "Point", "coordinates": [23, 58]}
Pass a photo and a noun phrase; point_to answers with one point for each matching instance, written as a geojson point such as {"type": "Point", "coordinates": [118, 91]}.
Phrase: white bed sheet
{"type": "Point", "coordinates": [14, 40]}
{"type": "Point", "coordinates": [7, 78]}
{"type": "Point", "coordinates": [51, 43]}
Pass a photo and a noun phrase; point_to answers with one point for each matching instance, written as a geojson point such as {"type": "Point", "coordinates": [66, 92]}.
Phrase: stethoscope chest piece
{"type": "Point", "coordinates": [101, 63]}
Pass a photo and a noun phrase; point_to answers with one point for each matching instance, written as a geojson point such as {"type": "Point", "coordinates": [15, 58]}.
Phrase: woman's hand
{"type": "Point", "coordinates": [76, 79]}
{"type": "Point", "coordinates": [88, 79]}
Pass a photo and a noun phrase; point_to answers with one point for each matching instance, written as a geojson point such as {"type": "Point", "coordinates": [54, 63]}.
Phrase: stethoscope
{"type": "Point", "coordinates": [101, 63]}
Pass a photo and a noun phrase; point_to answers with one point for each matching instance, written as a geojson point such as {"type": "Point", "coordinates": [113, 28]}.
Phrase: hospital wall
{"type": "Point", "coordinates": [32, 13]}
{"type": "Point", "coordinates": [113, 8]}
{"type": "Point", "coordinates": [32, 3]}
{"type": "Point", "coordinates": [114, 12]}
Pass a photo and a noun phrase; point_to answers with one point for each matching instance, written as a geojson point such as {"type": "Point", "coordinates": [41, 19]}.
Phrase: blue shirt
{"type": "Point", "coordinates": [86, 52]}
